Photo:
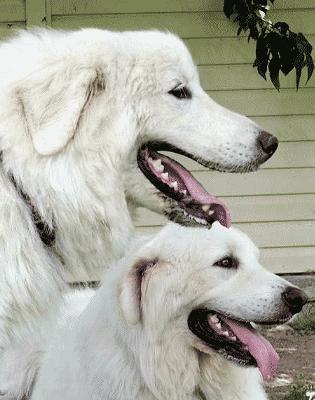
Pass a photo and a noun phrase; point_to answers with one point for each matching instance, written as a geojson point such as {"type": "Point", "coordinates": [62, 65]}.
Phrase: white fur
{"type": "Point", "coordinates": [74, 108]}
{"type": "Point", "coordinates": [119, 347]}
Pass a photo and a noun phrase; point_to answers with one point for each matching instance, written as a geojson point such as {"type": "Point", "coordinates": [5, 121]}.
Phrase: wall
{"type": "Point", "coordinates": [275, 206]}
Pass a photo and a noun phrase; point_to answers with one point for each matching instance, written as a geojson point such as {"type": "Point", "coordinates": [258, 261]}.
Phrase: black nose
{"type": "Point", "coordinates": [267, 142]}
{"type": "Point", "coordinates": [294, 298]}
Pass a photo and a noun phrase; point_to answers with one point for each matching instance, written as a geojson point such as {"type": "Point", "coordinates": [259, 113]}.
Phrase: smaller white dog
{"type": "Point", "coordinates": [171, 322]}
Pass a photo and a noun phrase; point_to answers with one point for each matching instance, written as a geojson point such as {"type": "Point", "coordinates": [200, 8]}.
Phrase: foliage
{"type": "Point", "coordinates": [298, 391]}
{"type": "Point", "coordinates": [277, 48]}
{"type": "Point", "coordinates": [305, 321]}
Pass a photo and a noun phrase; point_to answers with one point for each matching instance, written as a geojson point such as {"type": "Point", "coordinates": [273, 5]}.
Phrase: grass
{"type": "Point", "coordinates": [298, 391]}
{"type": "Point", "coordinates": [305, 322]}
{"type": "Point", "coordinates": [295, 391]}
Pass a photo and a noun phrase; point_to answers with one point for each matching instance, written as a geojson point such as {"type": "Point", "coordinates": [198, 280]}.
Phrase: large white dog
{"type": "Point", "coordinates": [82, 118]}
{"type": "Point", "coordinates": [171, 322]}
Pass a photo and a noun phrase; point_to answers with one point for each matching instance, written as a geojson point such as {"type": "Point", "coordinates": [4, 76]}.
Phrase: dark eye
{"type": "Point", "coordinates": [181, 92]}
{"type": "Point", "coordinates": [227, 262]}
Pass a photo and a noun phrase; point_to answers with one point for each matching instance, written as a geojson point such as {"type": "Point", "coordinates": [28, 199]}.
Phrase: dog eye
{"type": "Point", "coordinates": [227, 262]}
{"type": "Point", "coordinates": [181, 92]}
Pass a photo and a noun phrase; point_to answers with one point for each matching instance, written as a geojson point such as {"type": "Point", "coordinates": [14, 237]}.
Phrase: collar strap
{"type": "Point", "coordinates": [45, 232]}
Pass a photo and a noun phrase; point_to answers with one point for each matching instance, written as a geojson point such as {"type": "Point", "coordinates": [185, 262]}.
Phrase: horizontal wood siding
{"type": "Point", "coordinates": [276, 205]}
{"type": "Point", "coordinates": [12, 17]}
{"type": "Point", "coordinates": [70, 7]}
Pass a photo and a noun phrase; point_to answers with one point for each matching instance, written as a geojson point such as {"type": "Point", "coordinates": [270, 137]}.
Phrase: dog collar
{"type": "Point", "coordinates": [45, 232]}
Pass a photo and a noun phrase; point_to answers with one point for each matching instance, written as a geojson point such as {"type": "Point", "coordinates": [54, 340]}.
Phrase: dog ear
{"type": "Point", "coordinates": [130, 295]}
{"type": "Point", "coordinates": [53, 101]}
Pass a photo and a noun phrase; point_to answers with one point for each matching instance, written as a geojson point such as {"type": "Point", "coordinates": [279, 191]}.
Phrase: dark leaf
{"type": "Point", "coordinates": [253, 30]}
{"type": "Point", "coordinates": [287, 55]}
{"type": "Point", "coordinates": [261, 61]}
{"type": "Point", "coordinates": [274, 41]}
{"type": "Point", "coordinates": [228, 7]}
{"type": "Point", "coordinates": [282, 27]}
{"type": "Point", "coordinates": [298, 64]}
{"type": "Point", "coordinates": [302, 41]}
{"type": "Point", "coordinates": [274, 69]}
{"type": "Point", "coordinates": [278, 48]}
{"type": "Point", "coordinates": [286, 66]}
{"type": "Point", "coordinates": [310, 67]}
{"type": "Point", "coordinates": [242, 7]}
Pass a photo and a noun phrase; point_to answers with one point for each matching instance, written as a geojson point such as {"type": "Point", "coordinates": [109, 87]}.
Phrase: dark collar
{"type": "Point", "coordinates": [45, 232]}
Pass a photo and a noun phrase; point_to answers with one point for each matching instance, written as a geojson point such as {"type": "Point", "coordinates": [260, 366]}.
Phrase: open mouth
{"type": "Point", "coordinates": [236, 340]}
{"type": "Point", "coordinates": [175, 182]}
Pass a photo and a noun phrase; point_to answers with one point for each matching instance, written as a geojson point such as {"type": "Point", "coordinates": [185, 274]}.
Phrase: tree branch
{"type": "Point", "coordinates": [277, 48]}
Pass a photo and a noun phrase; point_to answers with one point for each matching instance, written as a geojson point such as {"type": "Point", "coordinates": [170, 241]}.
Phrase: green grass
{"type": "Point", "coordinates": [305, 322]}
{"type": "Point", "coordinates": [298, 391]}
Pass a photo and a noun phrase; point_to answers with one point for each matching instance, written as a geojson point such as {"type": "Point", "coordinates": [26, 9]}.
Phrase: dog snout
{"type": "Point", "coordinates": [267, 144]}
{"type": "Point", "coordinates": [294, 298]}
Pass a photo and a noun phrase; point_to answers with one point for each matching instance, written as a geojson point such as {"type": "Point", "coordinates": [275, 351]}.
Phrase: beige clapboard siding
{"type": "Point", "coordinates": [226, 50]}
{"type": "Point", "coordinates": [236, 77]}
{"type": "Point", "coordinates": [185, 24]}
{"type": "Point", "coordinates": [289, 127]}
{"type": "Point", "coordinates": [7, 29]}
{"type": "Point", "coordinates": [288, 259]}
{"type": "Point", "coordinates": [271, 234]}
{"type": "Point", "coordinates": [293, 207]}
{"type": "Point", "coordinates": [69, 7]}
{"type": "Point", "coordinates": [12, 10]}
{"type": "Point", "coordinates": [257, 102]}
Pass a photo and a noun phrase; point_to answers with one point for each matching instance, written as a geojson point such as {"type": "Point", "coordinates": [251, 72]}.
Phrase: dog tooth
{"type": "Point", "coordinates": [210, 212]}
{"type": "Point", "coordinates": [157, 165]}
{"type": "Point", "coordinates": [218, 325]}
{"type": "Point", "coordinates": [165, 176]}
{"type": "Point", "coordinates": [214, 319]}
{"type": "Point", "coordinates": [157, 162]}
{"type": "Point", "coordinates": [233, 338]}
{"type": "Point", "coordinates": [205, 207]}
{"type": "Point", "coordinates": [225, 333]}
{"type": "Point", "coordinates": [174, 185]}
{"type": "Point", "coordinates": [184, 191]}
{"type": "Point", "coordinates": [200, 221]}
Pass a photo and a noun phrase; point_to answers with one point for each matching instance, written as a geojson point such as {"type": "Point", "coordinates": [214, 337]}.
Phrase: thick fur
{"type": "Point", "coordinates": [74, 109]}
{"type": "Point", "coordinates": [131, 339]}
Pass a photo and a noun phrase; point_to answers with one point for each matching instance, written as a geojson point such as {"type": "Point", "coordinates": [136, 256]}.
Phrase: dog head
{"type": "Point", "coordinates": [118, 103]}
{"type": "Point", "coordinates": [201, 289]}
{"type": "Point", "coordinates": [175, 115]}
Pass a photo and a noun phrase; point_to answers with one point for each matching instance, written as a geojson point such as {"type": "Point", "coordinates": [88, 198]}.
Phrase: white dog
{"type": "Point", "coordinates": [82, 118]}
{"type": "Point", "coordinates": [171, 322]}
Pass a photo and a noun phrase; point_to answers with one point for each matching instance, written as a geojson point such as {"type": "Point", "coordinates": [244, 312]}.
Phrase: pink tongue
{"type": "Point", "coordinates": [197, 192]}
{"type": "Point", "coordinates": [259, 347]}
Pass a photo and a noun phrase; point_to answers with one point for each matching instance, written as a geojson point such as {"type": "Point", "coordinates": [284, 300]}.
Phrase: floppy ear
{"type": "Point", "coordinates": [130, 296]}
{"type": "Point", "coordinates": [53, 101]}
